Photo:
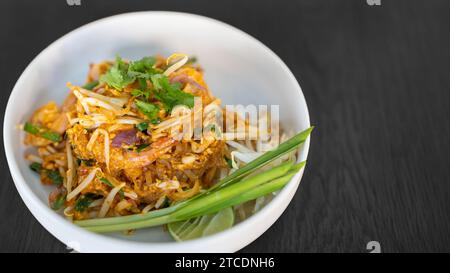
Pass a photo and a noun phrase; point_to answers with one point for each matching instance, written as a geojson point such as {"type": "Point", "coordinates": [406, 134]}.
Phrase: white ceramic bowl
{"type": "Point", "coordinates": [239, 70]}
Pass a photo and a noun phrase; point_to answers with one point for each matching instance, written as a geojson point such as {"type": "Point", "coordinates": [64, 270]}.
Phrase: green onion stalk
{"type": "Point", "coordinates": [224, 194]}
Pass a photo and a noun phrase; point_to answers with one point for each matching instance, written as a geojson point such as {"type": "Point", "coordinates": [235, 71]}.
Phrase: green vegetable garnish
{"type": "Point", "coordinates": [155, 121]}
{"type": "Point", "coordinates": [84, 201]}
{"type": "Point", "coordinates": [142, 68]}
{"type": "Point", "coordinates": [41, 132]}
{"type": "Point", "coordinates": [137, 93]}
{"type": "Point", "coordinates": [122, 74]}
{"type": "Point", "coordinates": [90, 85]}
{"type": "Point", "coordinates": [142, 126]}
{"type": "Point", "coordinates": [117, 76]}
{"type": "Point", "coordinates": [224, 194]}
{"type": "Point", "coordinates": [147, 108]}
{"type": "Point", "coordinates": [55, 176]}
{"type": "Point", "coordinates": [37, 167]}
{"type": "Point", "coordinates": [59, 202]}
{"type": "Point", "coordinates": [170, 94]}
{"type": "Point", "coordinates": [142, 147]}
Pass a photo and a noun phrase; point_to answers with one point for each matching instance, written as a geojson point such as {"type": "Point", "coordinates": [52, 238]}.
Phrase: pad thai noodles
{"type": "Point", "coordinates": [114, 147]}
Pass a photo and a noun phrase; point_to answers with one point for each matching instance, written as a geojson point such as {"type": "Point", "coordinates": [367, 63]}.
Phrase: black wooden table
{"type": "Point", "coordinates": [376, 79]}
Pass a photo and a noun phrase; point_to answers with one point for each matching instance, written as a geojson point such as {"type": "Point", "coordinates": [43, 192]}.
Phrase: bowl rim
{"type": "Point", "coordinates": [63, 230]}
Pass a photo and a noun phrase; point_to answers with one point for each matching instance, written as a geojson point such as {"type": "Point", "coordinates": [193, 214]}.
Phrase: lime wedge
{"type": "Point", "coordinates": [202, 226]}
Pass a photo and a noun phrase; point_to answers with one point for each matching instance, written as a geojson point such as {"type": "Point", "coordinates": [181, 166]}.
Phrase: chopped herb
{"type": "Point", "coordinates": [122, 74]}
{"type": "Point", "coordinates": [55, 176]}
{"type": "Point", "coordinates": [142, 83]}
{"type": "Point", "coordinates": [147, 108]}
{"type": "Point", "coordinates": [59, 202]}
{"type": "Point", "coordinates": [142, 147]}
{"type": "Point", "coordinates": [155, 121]}
{"type": "Point", "coordinates": [155, 81]}
{"type": "Point", "coordinates": [41, 132]}
{"type": "Point", "coordinates": [137, 93]}
{"type": "Point", "coordinates": [170, 94]}
{"type": "Point", "coordinates": [90, 85]}
{"type": "Point", "coordinates": [142, 68]}
{"type": "Point", "coordinates": [37, 167]}
{"type": "Point", "coordinates": [142, 126]}
{"type": "Point", "coordinates": [84, 201]}
{"type": "Point", "coordinates": [117, 76]}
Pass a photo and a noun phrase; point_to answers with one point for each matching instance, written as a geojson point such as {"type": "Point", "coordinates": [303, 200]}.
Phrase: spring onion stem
{"type": "Point", "coordinates": [282, 149]}
{"type": "Point", "coordinates": [232, 191]}
{"type": "Point", "coordinates": [194, 210]}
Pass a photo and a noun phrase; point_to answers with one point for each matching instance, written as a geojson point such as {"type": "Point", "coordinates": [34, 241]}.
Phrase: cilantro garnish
{"type": "Point", "coordinates": [117, 76]}
{"type": "Point", "coordinates": [147, 108]}
{"type": "Point", "coordinates": [122, 74]}
{"type": "Point", "coordinates": [142, 126]}
{"type": "Point", "coordinates": [170, 94]}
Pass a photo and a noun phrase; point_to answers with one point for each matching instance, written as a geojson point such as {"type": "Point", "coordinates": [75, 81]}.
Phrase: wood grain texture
{"type": "Point", "coordinates": [376, 80]}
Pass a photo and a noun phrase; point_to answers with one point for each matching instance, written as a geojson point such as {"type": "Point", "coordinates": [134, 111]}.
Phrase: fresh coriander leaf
{"type": "Point", "coordinates": [90, 85]}
{"type": "Point", "coordinates": [37, 167]}
{"type": "Point", "coordinates": [142, 126]}
{"type": "Point", "coordinates": [142, 83]}
{"type": "Point", "coordinates": [117, 76]}
{"type": "Point", "coordinates": [155, 81]}
{"type": "Point", "coordinates": [170, 94]}
{"type": "Point", "coordinates": [155, 121]}
{"type": "Point", "coordinates": [142, 147]}
{"type": "Point", "coordinates": [142, 68]}
{"type": "Point", "coordinates": [59, 202]}
{"type": "Point", "coordinates": [137, 92]}
{"type": "Point", "coordinates": [55, 176]}
{"type": "Point", "coordinates": [147, 108]}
